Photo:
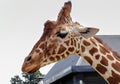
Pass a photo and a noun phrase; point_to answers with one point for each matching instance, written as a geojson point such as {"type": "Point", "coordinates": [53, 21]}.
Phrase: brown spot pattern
{"type": "Point", "coordinates": [61, 49]}
{"type": "Point", "coordinates": [103, 50]}
{"type": "Point", "coordinates": [115, 79]}
{"type": "Point", "coordinates": [77, 51]}
{"type": "Point", "coordinates": [78, 46]}
{"type": "Point", "coordinates": [93, 51]}
{"type": "Point", "coordinates": [52, 59]}
{"type": "Point", "coordinates": [116, 66]}
{"type": "Point", "coordinates": [93, 41]}
{"type": "Point", "coordinates": [110, 57]}
{"type": "Point", "coordinates": [42, 46]}
{"type": "Point", "coordinates": [79, 54]}
{"type": "Point", "coordinates": [71, 49]}
{"type": "Point", "coordinates": [37, 50]}
{"type": "Point", "coordinates": [54, 52]}
{"type": "Point", "coordinates": [35, 46]}
{"type": "Point", "coordinates": [116, 55]}
{"type": "Point", "coordinates": [58, 58]}
{"type": "Point", "coordinates": [75, 42]}
{"type": "Point", "coordinates": [104, 61]}
{"type": "Point", "coordinates": [86, 43]}
{"type": "Point", "coordinates": [67, 42]}
{"type": "Point", "coordinates": [67, 53]}
{"type": "Point", "coordinates": [88, 59]}
{"type": "Point", "coordinates": [45, 61]}
{"type": "Point", "coordinates": [80, 38]}
{"type": "Point", "coordinates": [72, 41]}
{"type": "Point", "coordinates": [101, 68]}
{"type": "Point", "coordinates": [82, 48]}
{"type": "Point", "coordinates": [63, 56]}
{"type": "Point", "coordinates": [97, 57]}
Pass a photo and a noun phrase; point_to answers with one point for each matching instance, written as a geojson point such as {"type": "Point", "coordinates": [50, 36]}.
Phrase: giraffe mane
{"type": "Point", "coordinates": [115, 53]}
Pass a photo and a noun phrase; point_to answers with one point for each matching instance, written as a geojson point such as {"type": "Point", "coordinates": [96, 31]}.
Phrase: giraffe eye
{"type": "Point", "coordinates": [62, 35]}
{"type": "Point", "coordinates": [28, 58]}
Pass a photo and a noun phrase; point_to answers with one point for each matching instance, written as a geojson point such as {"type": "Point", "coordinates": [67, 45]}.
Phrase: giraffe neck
{"type": "Point", "coordinates": [101, 59]}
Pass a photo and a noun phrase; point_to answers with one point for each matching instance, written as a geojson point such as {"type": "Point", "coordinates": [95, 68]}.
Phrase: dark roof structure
{"type": "Point", "coordinates": [76, 64]}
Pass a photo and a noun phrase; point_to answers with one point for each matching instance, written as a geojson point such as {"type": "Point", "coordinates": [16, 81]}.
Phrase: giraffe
{"type": "Point", "coordinates": [63, 37]}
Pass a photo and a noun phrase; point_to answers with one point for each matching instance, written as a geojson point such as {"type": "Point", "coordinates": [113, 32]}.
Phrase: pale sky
{"type": "Point", "coordinates": [22, 23]}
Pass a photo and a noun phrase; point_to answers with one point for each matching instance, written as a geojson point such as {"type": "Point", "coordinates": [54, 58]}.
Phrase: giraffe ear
{"type": "Point", "coordinates": [88, 32]}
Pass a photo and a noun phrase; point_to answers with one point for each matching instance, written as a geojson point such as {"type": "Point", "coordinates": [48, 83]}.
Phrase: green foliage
{"type": "Point", "coordinates": [16, 80]}
{"type": "Point", "coordinates": [33, 78]}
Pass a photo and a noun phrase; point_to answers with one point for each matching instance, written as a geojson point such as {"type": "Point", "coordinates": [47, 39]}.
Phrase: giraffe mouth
{"type": "Point", "coordinates": [30, 69]}
{"type": "Point", "coordinates": [33, 70]}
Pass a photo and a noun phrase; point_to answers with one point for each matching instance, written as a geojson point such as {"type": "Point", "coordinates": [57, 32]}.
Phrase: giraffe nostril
{"type": "Point", "coordinates": [28, 58]}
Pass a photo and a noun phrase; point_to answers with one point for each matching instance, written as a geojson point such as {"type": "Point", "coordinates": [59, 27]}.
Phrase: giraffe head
{"type": "Point", "coordinates": [60, 39]}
